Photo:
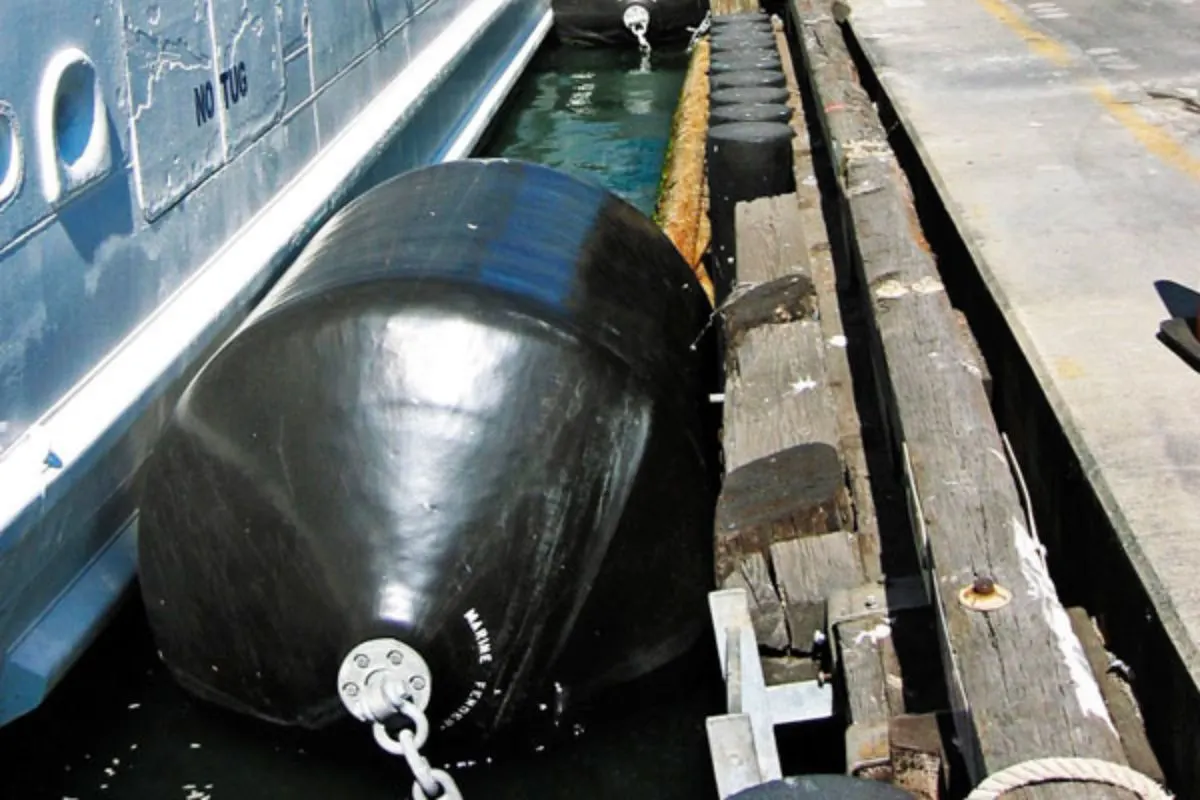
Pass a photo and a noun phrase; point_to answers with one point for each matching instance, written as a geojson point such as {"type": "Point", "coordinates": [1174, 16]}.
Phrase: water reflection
{"type": "Point", "coordinates": [595, 114]}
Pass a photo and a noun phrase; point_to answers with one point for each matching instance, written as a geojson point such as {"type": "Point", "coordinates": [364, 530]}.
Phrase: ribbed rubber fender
{"type": "Point", "coordinates": [745, 43]}
{"type": "Point", "coordinates": [741, 18]}
{"type": "Point", "coordinates": [747, 79]}
{"type": "Point", "coordinates": [724, 26]}
{"type": "Point", "coordinates": [747, 94]}
{"type": "Point", "coordinates": [749, 112]}
{"type": "Point", "coordinates": [741, 62]}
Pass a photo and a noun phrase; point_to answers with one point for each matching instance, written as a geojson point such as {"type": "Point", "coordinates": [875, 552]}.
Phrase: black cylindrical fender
{"type": "Point", "coordinates": [734, 62]}
{"type": "Point", "coordinates": [603, 22]}
{"type": "Point", "coordinates": [743, 79]}
{"type": "Point", "coordinates": [472, 417]}
{"type": "Point", "coordinates": [749, 112]}
{"type": "Point", "coordinates": [746, 160]}
{"type": "Point", "coordinates": [750, 19]}
{"type": "Point", "coordinates": [747, 94]}
{"type": "Point", "coordinates": [745, 43]}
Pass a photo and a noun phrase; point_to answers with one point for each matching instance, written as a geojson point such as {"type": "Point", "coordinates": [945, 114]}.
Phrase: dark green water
{"type": "Point", "coordinates": [594, 114]}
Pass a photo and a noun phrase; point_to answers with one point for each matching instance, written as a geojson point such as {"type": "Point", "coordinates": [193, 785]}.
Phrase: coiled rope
{"type": "Point", "coordinates": [1072, 770]}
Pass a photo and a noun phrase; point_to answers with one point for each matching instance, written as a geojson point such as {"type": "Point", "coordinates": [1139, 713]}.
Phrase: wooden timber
{"type": "Point", "coordinates": [784, 474]}
{"type": "Point", "coordinates": [824, 277]}
{"type": "Point", "coordinates": [1020, 685]}
{"type": "Point", "coordinates": [789, 530]}
{"type": "Point", "coordinates": [876, 684]}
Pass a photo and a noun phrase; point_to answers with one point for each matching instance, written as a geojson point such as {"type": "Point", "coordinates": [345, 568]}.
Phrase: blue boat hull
{"type": "Point", "coordinates": [145, 221]}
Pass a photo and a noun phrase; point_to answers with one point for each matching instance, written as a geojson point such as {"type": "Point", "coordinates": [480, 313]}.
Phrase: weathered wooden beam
{"type": "Point", "coordinates": [784, 474]}
{"type": "Point", "coordinates": [1019, 682]}
{"type": "Point", "coordinates": [807, 571]}
{"type": "Point", "coordinates": [792, 493]}
{"type": "Point", "coordinates": [829, 312]}
{"type": "Point", "coordinates": [1117, 697]}
{"type": "Point", "coordinates": [915, 744]}
{"type": "Point", "coordinates": [773, 280]}
{"type": "Point", "coordinates": [862, 622]}
{"type": "Point", "coordinates": [776, 394]}
{"type": "Point", "coordinates": [751, 572]}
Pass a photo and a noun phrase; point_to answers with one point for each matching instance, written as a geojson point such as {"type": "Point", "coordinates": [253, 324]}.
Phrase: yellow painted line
{"type": "Point", "coordinates": [1038, 42]}
{"type": "Point", "coordinates": [1153, 138]}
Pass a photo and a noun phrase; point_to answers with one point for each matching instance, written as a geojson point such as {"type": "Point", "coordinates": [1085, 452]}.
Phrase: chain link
{"type": "Point", "coordinates": [699, 31]}
{"type": "Point", "coordinates": [637, 21]}
{"type": "Point", "coordinates": [427, 781]}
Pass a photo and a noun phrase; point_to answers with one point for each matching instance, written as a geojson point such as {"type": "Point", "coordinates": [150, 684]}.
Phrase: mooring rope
{"type": "Point", "coordinates": [1068, 770]}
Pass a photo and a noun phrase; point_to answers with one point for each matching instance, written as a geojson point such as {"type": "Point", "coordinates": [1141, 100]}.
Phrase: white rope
{"type": "Point", "coordinates": [1072, 770]}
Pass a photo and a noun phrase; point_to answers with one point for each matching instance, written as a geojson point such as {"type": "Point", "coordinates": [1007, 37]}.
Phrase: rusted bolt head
{"type": "Point", "coordinates": [984, 594]}
{"type": "Point", "coordinates": [984, 585]}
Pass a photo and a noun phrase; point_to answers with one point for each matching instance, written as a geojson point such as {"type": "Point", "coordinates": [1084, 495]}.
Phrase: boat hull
{"type": "Point", "coordinates": [122, 269]}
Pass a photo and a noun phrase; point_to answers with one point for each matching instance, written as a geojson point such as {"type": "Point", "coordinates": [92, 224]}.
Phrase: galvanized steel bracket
{"type": "Point", "coordinates": [742, 742]}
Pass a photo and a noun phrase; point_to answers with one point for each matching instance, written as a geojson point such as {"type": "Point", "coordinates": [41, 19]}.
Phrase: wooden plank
{"type": "Point", "coordinates": [1018, 679]}
{"type": "Point", "coordinates": [785, 476]}
{"type": "Point", "coordinates": [975, 361]}
{"type": "Point", "coordinates": [774, 285]}
{"type": "Point", "coordinates": [794, 492]}
{"type": "Point", "coordinates": [825, 283]}
{"type": "Point", "coordinates": [807, 571]}
{"type": "Point", "coordinates": [770, 239]}
{"type": "Point", "coordinates": [752, 573]}
{"type": "Point", "coordinates": [1117, 697]}
{"type": "Point", "coordinates": [858, 643]}
{"type": "Point", "coordinates": [915, 743]}
{"type": "Point", "coordinates": [776, 393]}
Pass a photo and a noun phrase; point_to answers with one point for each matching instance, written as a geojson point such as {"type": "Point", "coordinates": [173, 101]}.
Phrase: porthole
{"type": "Point", "coordinates": [73, 144]}
{"type": "Point", "coordinates": [74, 112]}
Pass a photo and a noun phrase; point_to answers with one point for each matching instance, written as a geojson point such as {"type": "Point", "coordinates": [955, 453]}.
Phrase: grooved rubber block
{"type": "Point", "coordinates": [742, 95]}
{"type": "Point", "coordinates": [749, 112]}
{"type": "Point", "coordinates": [726, 30]}
{"type": "Point", "coordinates": [602, 23]}
{"type": "Point", "coordinates": [745, 43]}
{"type": "Point", "coordinates": [744, 18]}
{"type": "Point", "coordinates": [744, 79]}
{"type": "Point", "coordinates": [746, 160]}
{"type": "Point", "coordinates": [739, 62]}
{"type": "Point", "coordinates": [470, 417]}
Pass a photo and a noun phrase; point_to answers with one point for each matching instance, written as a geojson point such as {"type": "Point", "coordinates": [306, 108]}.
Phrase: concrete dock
{"type": "Point", "coordinates": [1061, 139]}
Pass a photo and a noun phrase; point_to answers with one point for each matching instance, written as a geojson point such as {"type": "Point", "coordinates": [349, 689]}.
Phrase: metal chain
{"type": "Point", "coordinates": [699, 30]}
{"type": "Point", "coordinates": [637, 21]}
{"type": "Point", "coordinates": [427, 781]}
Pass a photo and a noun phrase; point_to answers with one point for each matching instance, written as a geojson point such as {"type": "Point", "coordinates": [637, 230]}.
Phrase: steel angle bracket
{"type": "Point", "coordinates": [742, 742]}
